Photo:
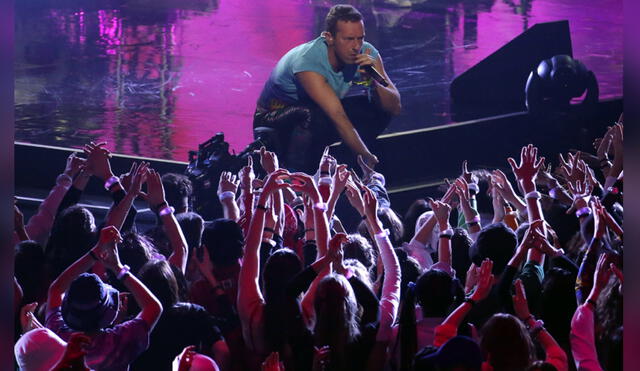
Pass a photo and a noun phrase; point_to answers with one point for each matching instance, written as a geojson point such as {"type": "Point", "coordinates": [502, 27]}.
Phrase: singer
{"type": "Point", "coordinates": [328, 89]}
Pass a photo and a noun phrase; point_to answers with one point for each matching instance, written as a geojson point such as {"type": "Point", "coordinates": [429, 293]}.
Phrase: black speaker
{"type": "Point", "coordinates": [496, 85]}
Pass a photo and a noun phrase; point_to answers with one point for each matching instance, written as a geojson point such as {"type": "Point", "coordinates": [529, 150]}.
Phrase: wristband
{"type": "Point", "coordinates": [382, 234]}
{"type": "Point", "coordinates": [536, 328]}
{"type": "Point", "coordinates": [93, 255]}
{"type": "Point", "coordinates": [111, 182]}
{"type": "Point", "coordinates": [270, 230]}
{"type": "Point", "coordinates": [533, 194]}
{"type": "Point", "coordinates": [64, 180]}
{"type": "Point", "coordinates": [473, 224]}
{"type": "Point", "coordinates": [325, 181]}
{"type": "Point", "coordinates": [261, 207]}
{"type": "Point", "coordinates": [123, 272]}
{"type": "Point", "coordinates": [320, 206]}
{"type": "Point", "coordinates": [473, 188]}
{"type": "Point", "coordinates": [613, 190]}
{"type": "Point", "coordinates": [593, 303]}
{"type": "Point", "coordinates": [585, 211]}
{"type": "Point", "coordinates": [448, 233]}
{"type": "Point", "coordinates": [325, 173]}
{"type": "Point", "coordinates": [225, 195]}
{"type": "Point", "coordinates": [470, 301]}
{"type": "Point", "coordinates": [553, 193]}
{"type": "Point", "coordinates": [475, 219]}
{"type": "Point", "coordinates": [157, 208]}
{"type": "Point", "coordinates": [167, 210]}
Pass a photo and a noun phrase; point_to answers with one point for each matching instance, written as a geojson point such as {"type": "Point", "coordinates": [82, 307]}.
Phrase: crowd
{"type": "Point", "coordinates": [495, 274]}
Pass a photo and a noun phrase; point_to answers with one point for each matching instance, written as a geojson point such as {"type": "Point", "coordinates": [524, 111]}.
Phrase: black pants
{"type": "Point", "coordinates": [298, 134]}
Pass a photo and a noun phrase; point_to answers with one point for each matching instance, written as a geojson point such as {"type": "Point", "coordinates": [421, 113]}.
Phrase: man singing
{"type": "Point", "coordinates": [304, 105]}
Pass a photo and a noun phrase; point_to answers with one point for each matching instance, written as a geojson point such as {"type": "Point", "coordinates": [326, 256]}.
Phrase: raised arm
{"type": "Point", "coordinates": [554, 354]}
{"type": "Point", "coordinates": [150, 307]}
{"type": "Point", "coordinates": [158, 203]}
{"type": "Point", "coordinates": [304, 183]}
{"type": "Point", "coordinates": [441, 212]}
{"type": "Point", "coordinates": [316, 86]}
{"type": "Point", "coordinates": [391, 285]}
{"type": "Point", "coordinates": [525, 174]}
{"type": "Point", "coordinates": [227, 189]}
{"type": "Point", "coordinates": [118, 212]}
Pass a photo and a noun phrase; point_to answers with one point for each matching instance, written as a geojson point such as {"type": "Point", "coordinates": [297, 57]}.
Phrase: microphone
{"type": "Point", "coordinates": [375, 75]}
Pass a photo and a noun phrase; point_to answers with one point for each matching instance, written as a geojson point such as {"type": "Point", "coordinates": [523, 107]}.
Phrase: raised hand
{"type": "Point", "coordinates": [340, 178]}
{"type": "Point", "coordinates": [138, 179]}
{"type": "Point", "coordinates": [228, 183]}
{"type": "Point", "coordinates": [354, 197]}
{"type": "Point", "coordinates": [581, 193]}
{"type": "Point", "coordinates": [335, 247]}
{"type": "Point", "coordinates": [599, 220]}
{"type": "Point", "coordinates": [125, 179]}
{"type": "Point", "coordinates": [155, 189]}
{"type": "Point", "coordinates": [529, 166]}
{"type": "Point", "coordinates": [268, 160]}
{"type": "Point", "coordinates": [272, 363]}
{"type": "Point", "coordinates": [304, 183]}
{"type": "Point", "coordinates": [520, 304]}
{"type": "Point", "coordinates": [186, 358]}
{"type": "Point", "coordinates": [367, 170]}
{"type": "Point", "coordinates": [448, 195]}
{"type": "Point", "coordinates": [370, 204]}
{"type": "Point", "coordinates": [28, 320]}
{"type": "Point", "coordinates": [106, 248]}
{"type": "Point", "coordinates": [602, 273]}
{"type": "Point", "coordinates": [327, 163]}
{"type": "Point", "coordinates": [321, 356]}
{"type": "Point", "coordinates": [485, 281]}
{"type": "Point", "coordinates": [572, 169]}
{"type": "Point", "coordinates": [246, 174]}
{"type": "Point", "coordinates": [274, 182]}
{"type": "Point", "coordinates": [97, 162]}
{"type": "Point", "coordinates": [466, 174]}
{"type": "Point", "coordinates": [441, 211]}
{"type": "Point", "coordinates": [74, 165]}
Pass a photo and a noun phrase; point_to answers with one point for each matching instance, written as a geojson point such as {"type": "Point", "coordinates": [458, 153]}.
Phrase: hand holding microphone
{"type": "Point", "coordinates": [366, 63]}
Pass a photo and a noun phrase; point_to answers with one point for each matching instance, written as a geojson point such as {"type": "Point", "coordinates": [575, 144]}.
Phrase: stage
{"type": "Point", "coordinates": [156, 78]}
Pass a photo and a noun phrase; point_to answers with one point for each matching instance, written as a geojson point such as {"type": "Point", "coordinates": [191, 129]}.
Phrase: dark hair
{"type": "Point", "coordinates": [177, 190]}
{"type": "Point", "coordinates": [136, 250]}
{"type": "Point", "coordinates": [192, 226]}
{"type": "Point", "coordinates": [558, 303]}
{"type": "Point", "coordinates": [280, 268]}
{"type": "Point", "coordinates": [72, 235]}
{"type": "Point", "coordinates": [30, 271]}
{"type": "Point", "coordinates": [158, 276]}
{"type": "Point", "coordinates": [497, 242]}
{"type": "Point", "coordinates": [435, 293]}
{"type": "Point", "coordinates": [359, 248]}
{"type": "Point", "coordinates": [224, 241]}
{"type": "Point", "coordinates": [410, 269]}
{"type": "Point", "coordinates": [460, 245]}
{"type": "Point", "coordinates": [340, 12]}
{"type": "Point", "coordinates": [391, 221]}
{"type": "Point", "coordinates": [410, 219]}
{"type": "Point", "coordinates": [506, 343]}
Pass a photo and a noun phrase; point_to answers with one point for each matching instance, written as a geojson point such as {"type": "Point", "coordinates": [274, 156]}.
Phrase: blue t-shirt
{"type": "Point", "coordinates": [283, 87]}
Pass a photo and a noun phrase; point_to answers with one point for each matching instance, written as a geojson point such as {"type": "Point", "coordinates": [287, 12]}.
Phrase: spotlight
{"type": "Point", "coordinates": [556, 81]}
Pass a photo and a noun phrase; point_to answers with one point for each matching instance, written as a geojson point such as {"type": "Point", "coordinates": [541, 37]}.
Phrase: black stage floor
{"type": "Point", "coordinates": [156, 78]}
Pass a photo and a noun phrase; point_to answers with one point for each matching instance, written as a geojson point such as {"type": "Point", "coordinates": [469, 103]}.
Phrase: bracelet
{"type": "Point", "coordinates": [382, 234]}
{"type": "Point", "coordinates": [473, 224]}
{"type": "Point", "coordinates": [536, 328]}
{"type": "Point", "coordinates": [470, 301]}
{"type": "Point", "coordinates": [325, 181]}
{"type": "Point", "coordinates": [270, 230]}
{"type": "Point", "coordinates": [447, 233]}
{"type": "Point", "coordinates": [613, 190]}
{"type": "Point", "coordinates": [325, 173]}
{"type": "Point", "coordinates": [123, 272]}
{"type": "Point", "coordinates": [93, 255]}
{"type": "Point", "coordinates": [225, 195]}
{"type": "Point", "coordinates": [157, 208]}
{"type": "Point", "coordinates": [473, 188]}
{"type": "Point", "coordinates": [553, 193]}
{"type": "Point", "coordinates": [261, 207]}
{"type": "Point", "coordinates": [110, 182]}
{"type": "Point", "coordinates": [167, 210]}
{"type": "Point", "coordinates": [590, 301]}
{"type": "Point", "coordinates": [475, 219]}
{"type": "Point", "coordinates": [320, 206]}
{"type": "Point", "coordinates": [585, 211]}
{"type": "Point", "coordinates": [533, 194]}
{"type": "Point", "coordinates": [444, 235]}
